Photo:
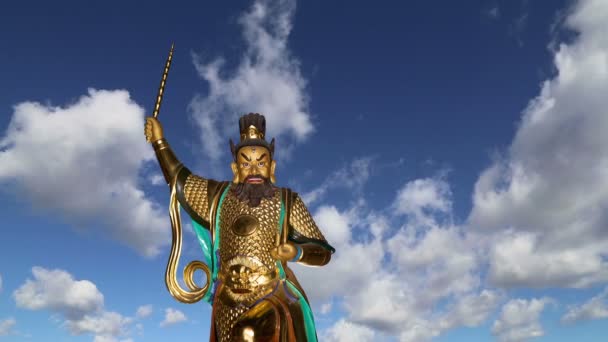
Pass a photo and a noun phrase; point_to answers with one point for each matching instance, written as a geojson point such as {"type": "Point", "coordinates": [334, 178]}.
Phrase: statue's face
{"type": "Point", "coordinates": [253, 165]}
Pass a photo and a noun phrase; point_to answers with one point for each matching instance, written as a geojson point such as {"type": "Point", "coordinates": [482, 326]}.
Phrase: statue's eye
{"type": "Point", "coordinates": [260, 164]}
{"type": "Point", "coordinates": [245, 164]}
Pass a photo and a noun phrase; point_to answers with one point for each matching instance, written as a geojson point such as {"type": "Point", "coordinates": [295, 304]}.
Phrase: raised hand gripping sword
{"type": "Point", "coordinates": [195, 293]}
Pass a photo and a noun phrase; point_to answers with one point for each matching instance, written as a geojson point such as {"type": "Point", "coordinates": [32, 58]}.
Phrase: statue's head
{"type": "Point", "coordinates": [253, 164]}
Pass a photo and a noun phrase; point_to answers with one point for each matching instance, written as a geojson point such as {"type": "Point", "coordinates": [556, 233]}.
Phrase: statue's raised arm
{"type": "Point", "coordinates": [169, 164]}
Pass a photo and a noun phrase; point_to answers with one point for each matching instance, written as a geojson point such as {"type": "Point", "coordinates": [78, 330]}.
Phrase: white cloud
{"type": "Point", "coordinates": [100, 338]}
{"type": "Point", "coordinates": [419, 330]}
{"type": "Point", "coordinates": [414, 251]}
{"type": "Point", "coordinates": [422, 195]}
{"type": "Point", "coordinates": [518, 258]}
{"type": "Point", "coordinates": [350, 265]}
{"type": "Point", "coordinates": [431, 282]}
{"type": "Point", "coordinates": [594, 308]}
{"type": "Point", "coordinates": [329, 216]}
{"type": "Point", "coordinates": [471, 310]}
{"type": "Point", "coordinates": [6, 326]}
{"type": "Point", "coordinates": [157, 179]}
{"type": "Point", "coordinates": [144, 311]}
{"type": "Point", "coordinates": [352, 176]}
{"type": "Point", "coordinates": [519, 320]}
{"type": "Point", "coordinates": [57, 291]}
{"type": "Point", "coordinates": [551, 192]}
{"type": "Point", "coordinates": [83, 160]}
{"type": "Point", "coordinates": [343, 331]}
{"type": "Point", "coordinates": [173, 316]}
{"type": "Point", "coordinates": [326, 308]}
{"type": "Point", "coordinates": [267, 81]}
{"type": "Point", "coordinates": [105, 325]}
{"type": "Point", "coordinates": [430, 252]}
{"type": "Point", "coordinates": [78, 301]}
{"type": "Point", "coordinates": [538, 216]}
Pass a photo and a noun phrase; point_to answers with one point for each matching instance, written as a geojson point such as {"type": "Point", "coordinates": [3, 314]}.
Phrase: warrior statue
{"type": "Point", "coordinates": [249, 229]}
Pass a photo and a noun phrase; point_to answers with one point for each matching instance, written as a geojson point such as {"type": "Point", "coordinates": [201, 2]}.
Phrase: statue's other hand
{"type": "Point", "coordinates": [284, 252]}
{"type": "Point", "coordinates": [153, 129]}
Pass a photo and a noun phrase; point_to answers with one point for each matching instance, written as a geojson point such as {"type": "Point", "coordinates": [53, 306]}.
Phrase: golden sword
{"type": "Point", "coordinates": [163, 81]}
{"type": "Point", "coordinates": [194, 293]}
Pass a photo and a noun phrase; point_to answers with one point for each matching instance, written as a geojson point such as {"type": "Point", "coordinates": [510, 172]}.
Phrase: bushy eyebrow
{"type": "Point", "coordinates": [262, 156]}
{"type": "Point", "coordinates": [244, 156]}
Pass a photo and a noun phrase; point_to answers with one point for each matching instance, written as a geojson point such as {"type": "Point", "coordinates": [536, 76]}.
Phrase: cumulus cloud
{"type": "Point", "coordinates": [548, 198]}
{"type": "Point", "coordinates": [267, 80]}
{"type": "Point", "coordinates": [157, 179]}
{"type": "Point", "coordinates": [537, 220]}
{"type": "Point", "coordinates": [6, 326]}
{"type": "Point", "coordinates": [144, 311]}
{"type": "Point", "coordinates": [343, 331]}
{"type": "Point", "coordinates": [594, 308]}
{"type": "Point", "coordinates": [519, 320]}
{"type": "Point", "coordinates": [520, 258]}
{"type": "Point", "coordinates": [423, 194]}
{"type": "Point", "coordinates": [326, 308]}
{"type": "Point", "coordinates": [173, 316]}
{"type": "Point", "coordinates": [352, 176]}
{"type": "Point", "coordinates": [79, 302]}
{"type": "Point", "coordinates": [100, 338]}
{"type": "Point", "coordinates": [82, 161]}
{"type": "Point", "coordinates": [58, 291]}
{"type": "Point", "coordinates": [105, 325]}
{"type": "Point", "coordinates": [430, 284]}
{"type": "Point", "coordinates": [471, 310]}
{"type": "Point", "coordinates": [351, 264]}
{"type": "Point", "coordinates": [436, 255]}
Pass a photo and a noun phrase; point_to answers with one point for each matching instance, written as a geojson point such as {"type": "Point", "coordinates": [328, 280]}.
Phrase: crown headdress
{"type": "Point", "coordinates": [252, 132]}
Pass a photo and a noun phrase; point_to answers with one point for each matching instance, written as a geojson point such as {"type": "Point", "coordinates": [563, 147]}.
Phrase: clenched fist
{"type": "Point", "coordinates": [284, 252]}
{"type": "Point", "coordinates": [153, 130]}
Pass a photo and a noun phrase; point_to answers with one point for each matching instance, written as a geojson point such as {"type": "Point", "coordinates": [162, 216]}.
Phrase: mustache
{"type": "Point", "coordinates": [254, 193]}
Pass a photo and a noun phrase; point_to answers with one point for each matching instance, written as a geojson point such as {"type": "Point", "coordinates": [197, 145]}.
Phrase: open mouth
{"type": "Point", "coordinates": [255, 180]}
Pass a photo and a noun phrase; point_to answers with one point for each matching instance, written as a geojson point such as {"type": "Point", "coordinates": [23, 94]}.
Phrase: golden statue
{"type": "Point", "coordinates": [249, 229]}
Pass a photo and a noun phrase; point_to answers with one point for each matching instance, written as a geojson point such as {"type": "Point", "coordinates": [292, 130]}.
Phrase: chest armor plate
{"type": "Point", "coordinates": [247, 234]}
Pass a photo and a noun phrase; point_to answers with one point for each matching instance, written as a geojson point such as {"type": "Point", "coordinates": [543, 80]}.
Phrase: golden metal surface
{"type": "Point", "coordinates": [253, 161]}
{"type": "Point", "coordinates": [246, 281]}
{"type": "Point", "coordinates": [276, 318]}
{"type": "Point", "coordinates": [259, 243]}
{"type": "Point", "coordinates": [244, 225]}
{"type": "Point", "coordinates": [153, 130]}
{"type": "Point", "coordinates": [251, 303]}
{"type": "Point", "coordinates": [261, 322]}
{"type": "Point", "coordinates": [196, 293]}
{"type": "Point", "coordinates": [195, 192]}
{"type": "Point", "coordinates": [248, 334]}
{"type": "Point", "coordinates": [163, 81]}
{"type": "Point", "coordinates": [314, 255]}
{"type": "Point", "coordinates": [214, 207]}
{"type": "Point", "coordinates": [169, 164]}
{"type": "Point", "coordinates": [301, 220]}
{"type": "Point", "coordinates": [225, 318]}
{"type": "Point", "coordinates": [252, 133]}
{"type": "Point", "coordinates": [247, 269]}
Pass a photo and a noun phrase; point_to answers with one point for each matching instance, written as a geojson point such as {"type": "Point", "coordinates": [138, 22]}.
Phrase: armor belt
{"type": "Point", "coordinates": [246, 280]}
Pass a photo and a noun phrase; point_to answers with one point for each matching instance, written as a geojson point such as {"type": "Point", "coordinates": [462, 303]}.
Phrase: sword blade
{"type": "Point", "coordinates": [163, 81]}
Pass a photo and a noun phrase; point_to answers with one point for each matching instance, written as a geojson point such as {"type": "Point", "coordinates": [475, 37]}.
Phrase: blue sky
{"type": "Point", "coordinates": [453, 154]}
